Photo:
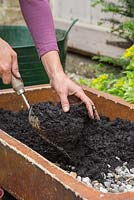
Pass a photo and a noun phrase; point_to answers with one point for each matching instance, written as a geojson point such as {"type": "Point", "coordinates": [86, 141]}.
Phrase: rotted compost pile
{"type": "Point", "coordinates": [101, 152]}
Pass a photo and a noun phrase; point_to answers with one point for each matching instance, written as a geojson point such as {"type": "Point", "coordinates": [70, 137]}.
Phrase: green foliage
{"type": "Point", "coordinates": [103, 82]}
{"type": "Point", "coordinates": [86, 82]}
{"type": "Point", "coordinates": [124, 8]}
{"type": "Point", "coordinates": [129, 87]}
{"type": "Point", "coordinates": [130, 67]}
{"type": "Point", "coordinates": [96, 2]}
{"type": "Point", "coordinates": [122, 86]}
{"type": "Point", "coordinates": [118, 89]}
{"type": "Point", "coordinates": [115, 62]}
{"type": "Point", "coordinates": [126, 30]}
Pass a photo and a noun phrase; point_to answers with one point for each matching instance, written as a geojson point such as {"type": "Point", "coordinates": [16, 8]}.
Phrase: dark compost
{"type": "Point", "coordinates": [92, 144]}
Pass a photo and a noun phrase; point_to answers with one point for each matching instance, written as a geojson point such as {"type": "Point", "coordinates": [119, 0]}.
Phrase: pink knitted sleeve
{"type": "Point", "coordinates": [38, 17]}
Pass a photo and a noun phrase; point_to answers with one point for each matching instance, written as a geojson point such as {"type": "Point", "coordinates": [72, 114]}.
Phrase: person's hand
{"type": "Point", "coordinates": [8, 62]}
{"type": "Point", "coordinates": [64, 86]}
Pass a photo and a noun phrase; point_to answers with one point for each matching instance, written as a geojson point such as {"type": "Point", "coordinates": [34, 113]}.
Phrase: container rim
{"type": "Point", "coordinates": [23, 27]}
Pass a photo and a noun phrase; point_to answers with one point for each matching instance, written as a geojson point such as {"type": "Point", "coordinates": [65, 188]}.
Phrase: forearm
{"type": "Point", "coordinates": [39, 19]}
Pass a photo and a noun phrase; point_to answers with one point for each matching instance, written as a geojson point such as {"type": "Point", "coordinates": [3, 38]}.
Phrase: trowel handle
{"type": "Point", "coordinates": [17, 85]}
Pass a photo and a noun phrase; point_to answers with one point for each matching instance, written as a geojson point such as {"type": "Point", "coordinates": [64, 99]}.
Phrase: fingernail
{"type": "Point", "coordinates": [90, 116]}
{"type": "Point", "coordinates": [18, 74]}
{"type": "Point", "coordinates": [66, 109]}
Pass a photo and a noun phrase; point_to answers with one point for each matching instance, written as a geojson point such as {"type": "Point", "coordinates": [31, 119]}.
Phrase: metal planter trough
{"type": "Point", "coordinates": [27, 175]}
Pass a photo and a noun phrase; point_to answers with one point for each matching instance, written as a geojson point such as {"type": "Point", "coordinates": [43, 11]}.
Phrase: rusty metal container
{"type": "Point", "coordinates": [1, 193]}
{"type": "Point", "coordinates": [28, 176]}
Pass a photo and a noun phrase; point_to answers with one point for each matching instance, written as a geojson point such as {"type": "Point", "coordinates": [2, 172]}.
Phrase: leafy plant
{"type": "Point", "coordinates": [123, 8]}
{"type": "Point", "coordinates": [120, 62]}
{"type": "Point", "coordinates": [126, 30]}
{"type": "Point", "coordinates": [122, 86]}
{"type": "Point", "coordinates": [129, 56]}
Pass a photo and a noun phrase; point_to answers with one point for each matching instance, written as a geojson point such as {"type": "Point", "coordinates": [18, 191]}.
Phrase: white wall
{"type": "Point", "coordinates": [86, 36]}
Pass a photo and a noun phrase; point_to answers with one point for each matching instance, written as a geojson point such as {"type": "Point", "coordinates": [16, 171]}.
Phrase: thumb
{"type": "Point", "coordinates": [64, 103]}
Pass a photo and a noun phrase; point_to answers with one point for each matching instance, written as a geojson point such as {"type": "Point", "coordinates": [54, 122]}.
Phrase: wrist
{"type": "Point", "coordinates": [57, 76]}
{"type": "Point", "coordinates": [52, 64]}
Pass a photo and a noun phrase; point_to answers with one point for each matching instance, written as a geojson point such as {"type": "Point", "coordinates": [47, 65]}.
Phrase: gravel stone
{"type": "Point", "coordinates": [73, 174]}
{"type": "Point", "coordinates": [79, 178]}
{"type": "Point", "coordinates": [131, 182]}
{"type": "Point", "coordinates": [102, 189]}
{"type": "Point", "coordinates": [121, 188]}
{"type": "Point", "coordinates": [132, 170]}
{"type": "Point", "coordinates": [86, 180]}
{"type": "Point", "coordinates": [128, 187]}
{"type": "Point", "coordinates": [107, 184]}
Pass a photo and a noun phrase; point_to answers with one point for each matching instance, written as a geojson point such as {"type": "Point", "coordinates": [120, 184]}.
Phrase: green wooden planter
{"type": "Point", "coordinates": [30, 66]}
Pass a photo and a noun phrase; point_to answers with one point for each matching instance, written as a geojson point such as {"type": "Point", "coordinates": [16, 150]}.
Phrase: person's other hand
{"type": "Point", "coordinates": [8, 62]}
{"type": "Point", "coordinates": [64, 86]}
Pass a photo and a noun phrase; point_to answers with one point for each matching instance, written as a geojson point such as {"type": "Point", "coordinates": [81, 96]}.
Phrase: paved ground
{"type": "Point", "coordinates": [80, 66]}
